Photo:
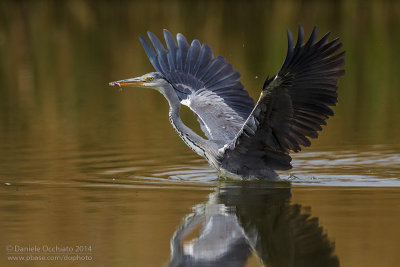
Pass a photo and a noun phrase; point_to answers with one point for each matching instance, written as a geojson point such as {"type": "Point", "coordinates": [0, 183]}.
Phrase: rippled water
{"type": "Point", "coordinates": [377, 165]}
{"type": "Point", "coordinates": [334, 206]}
{"type": "Point", "coordinates": [97, 177]}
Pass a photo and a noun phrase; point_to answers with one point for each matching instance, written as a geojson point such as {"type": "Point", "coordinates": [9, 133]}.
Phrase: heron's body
{"type": "Point", "coordinates": [244, 140]}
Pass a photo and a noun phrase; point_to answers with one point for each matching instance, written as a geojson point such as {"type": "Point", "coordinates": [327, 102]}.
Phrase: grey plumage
{"type": "Point", "coordinates": [244, 140]}
{"type": "Point", "coordinates": [194, 67]}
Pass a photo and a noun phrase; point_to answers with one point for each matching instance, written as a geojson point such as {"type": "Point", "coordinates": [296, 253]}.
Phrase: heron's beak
{"type": "Point", "coordinates": [128, 82]}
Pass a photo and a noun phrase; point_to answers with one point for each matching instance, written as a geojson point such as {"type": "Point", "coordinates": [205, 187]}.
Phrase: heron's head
{"type": "Point", "coordinates": [154, 80]}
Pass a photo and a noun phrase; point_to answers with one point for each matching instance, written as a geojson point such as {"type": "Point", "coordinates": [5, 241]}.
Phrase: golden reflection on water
{"type": "Point", "coordinates": [134, 226]}
{"type": "Point", "coordinates": [82, 163]}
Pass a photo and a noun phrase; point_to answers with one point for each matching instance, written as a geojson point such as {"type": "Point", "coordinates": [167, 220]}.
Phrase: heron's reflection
{"type": "Point", "coordinates": [240, 219]}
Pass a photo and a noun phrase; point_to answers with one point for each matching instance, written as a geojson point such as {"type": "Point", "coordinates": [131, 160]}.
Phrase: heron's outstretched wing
{"type": "Point", "coordinates": [293, 104]}
{"type": "Point", "coordinates": [209, 86]}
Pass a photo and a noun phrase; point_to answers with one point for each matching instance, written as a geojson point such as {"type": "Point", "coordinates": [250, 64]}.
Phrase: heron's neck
{"type": "Point", "coordinates": [193, 140]}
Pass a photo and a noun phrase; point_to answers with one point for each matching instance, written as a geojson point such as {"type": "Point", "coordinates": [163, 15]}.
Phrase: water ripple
{"type": "Point", "coordinates": [127, 165]}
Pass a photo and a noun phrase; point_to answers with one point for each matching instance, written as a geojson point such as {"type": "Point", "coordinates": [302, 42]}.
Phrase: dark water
{"type": "Point", "coordinates": [97, 176]}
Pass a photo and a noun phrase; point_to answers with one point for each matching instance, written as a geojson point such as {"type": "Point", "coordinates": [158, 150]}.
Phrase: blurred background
{"type": "Point", "coordinates": [57, 57]}
{"type": "Point", "coordinates": [75, 152]}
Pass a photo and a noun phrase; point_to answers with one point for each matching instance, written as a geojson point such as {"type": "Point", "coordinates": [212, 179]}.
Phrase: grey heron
{"type": "Point", "coordinates": [245, 140]}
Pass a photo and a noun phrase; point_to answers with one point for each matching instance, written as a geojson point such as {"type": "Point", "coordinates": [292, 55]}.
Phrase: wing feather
{"type": "Point", "coordinates": [172, 48]}
{"type": "Point", "coordinates": [193, 55]}
{"type": "Point", "coordinates": [150, 52]}
{"type": "Point", "coordinates": [162, 58]}
{"type": "Point", "coordinates": [205, 57]}
{"type": "Point", "coordinates": [182, 52]}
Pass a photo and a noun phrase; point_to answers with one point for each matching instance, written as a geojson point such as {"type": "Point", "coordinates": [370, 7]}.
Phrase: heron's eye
{"type": "Point", "coordinates": [149, 79]}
